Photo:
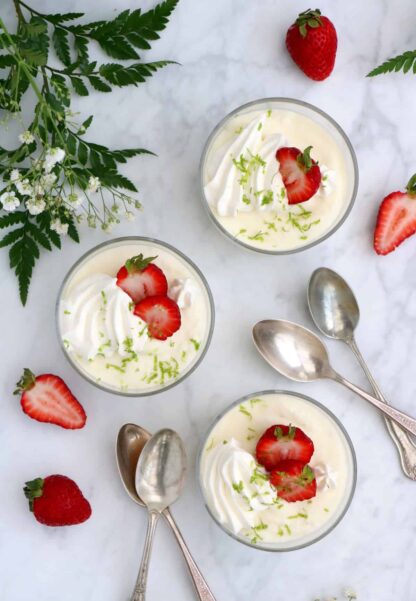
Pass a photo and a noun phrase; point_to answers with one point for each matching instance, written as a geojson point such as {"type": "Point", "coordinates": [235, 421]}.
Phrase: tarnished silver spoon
{"type": "Point", "coordinates": [130, 442]}
{"type": "Point", "coordinates": [335, 312]}
{"type": "Point", "coordinates": [298, 354]}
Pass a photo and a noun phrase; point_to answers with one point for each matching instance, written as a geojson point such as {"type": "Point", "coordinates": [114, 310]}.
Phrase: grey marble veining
{"type": "Point", "coordinates": [230, 52]}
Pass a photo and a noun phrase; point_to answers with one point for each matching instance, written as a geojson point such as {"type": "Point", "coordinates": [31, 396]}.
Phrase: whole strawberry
{"type": "Point", "coordinates": [57, 501]}
{"type": "Point", "coordinates": [396, 219]}
{"type": "Point", "coordinates": [312, 43]}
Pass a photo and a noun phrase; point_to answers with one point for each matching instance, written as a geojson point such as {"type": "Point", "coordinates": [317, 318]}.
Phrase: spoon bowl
{"type": "Point", "coordinates": [160, 473]}
{"type": "Point", "coordinates": [131, 440]}
{"type": "Point", "coordinates": [332, 304]}
{"type": "Point", "coordinates": [292, 350]}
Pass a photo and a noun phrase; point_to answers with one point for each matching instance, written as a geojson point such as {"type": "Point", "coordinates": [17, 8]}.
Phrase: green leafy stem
{"type": "Point", "coordinates": [25, 67]}
{"type": "Point", "coordinates": [403, 62]}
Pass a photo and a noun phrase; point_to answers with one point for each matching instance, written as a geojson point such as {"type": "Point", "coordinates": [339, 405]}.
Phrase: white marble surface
{"type": "Point", "coordinates": [231, 52]}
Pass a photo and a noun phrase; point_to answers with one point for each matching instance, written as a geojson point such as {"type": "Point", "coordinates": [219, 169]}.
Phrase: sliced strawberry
{"type": "Point", "coordinates": [279, 443]}
{"type": "Point", "coordinates": [294, 481]}
{"type": "Point", "coordinates": [161, 314]}
{"type": "Point", "coordinates": [57, 501]}
{"type": "Point", "coordinates": [300, 173]}
{"type": "Point", "coordinates": [47, 398]}
{"type": "Point", "coordinates": [140, 278]}
{"type": "Point", "coordinates": [396, 219]}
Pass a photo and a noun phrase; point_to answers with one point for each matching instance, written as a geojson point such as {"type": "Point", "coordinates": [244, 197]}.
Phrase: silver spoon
{"type": "Point", "coordinates": [160, 477]}
{"type": "Point", "coordinates": [298, 354]}
{"type": "Point", "coordinates": [335, 312]}
{"type": "Point", "coordinates": [130, 442]}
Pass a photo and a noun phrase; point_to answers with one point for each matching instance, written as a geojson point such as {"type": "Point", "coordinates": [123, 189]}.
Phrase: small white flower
{"type": "Point", "coordinates": [92, 222]}
{"type": "Point", "coordinates": [24, 187]}
{"type": "Point", "coordinates": [52, 157]}
{"type": "Point", "coordinates": [9, 201]}
{"type": "Point", "coordinates": [35, 206]}
{"type": "Point", "coordinates": [107, 227]}
{"type": "Point", "coordinates": [38, 189]}
{"type": "Point", "coordinates": [75, 199]}
{"type": "Point", "coordinates": [59, 227]}
{"type": "Point", "coordinates": [93, 184]}
{"type": "Point", "coordinates": [130, 216]}
{"type": "Point", "coordinates": [115, 208]}
{"type": "Point", "coordinates": [26, 137]}
{"type": "Point", "coordinates": [14, 175]}
{"type": "Point", "coordinates": [350, 594]}
{"type": "Point", "coordinates": [137, 204]}
{"type": "Point", "coordinates": [48, 180]}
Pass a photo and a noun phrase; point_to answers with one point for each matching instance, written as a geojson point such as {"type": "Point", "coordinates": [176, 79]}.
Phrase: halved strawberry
{"type": "Point", "coordinates": [300, 173]}
{"type": "Point", "coordinates": [139, 278]}
{"type": "Point", "coordinates": [396, 219]}
{"type": "Point", "coordinates": [47, 398]}
{"type": "Point", "coordinates": [161, 314]}
{"type": "Point", "coordinates": [279, 443]}
{"type": "Point", "coordinates": [294, 481]}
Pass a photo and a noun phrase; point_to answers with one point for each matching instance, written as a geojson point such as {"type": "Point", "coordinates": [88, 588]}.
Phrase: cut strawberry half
{"type": "Point", "coordinates": [300, 173]}
{"type": "Point", "coordinates": [279, 443]}
{"type": "Point", "coordinates": [47, 398]}
{"type": "Point", "coordinates": [293, 481]}
{"type": "Point", "coordinates": [139, 278]}
{"type": "Point", "coordinates": [162, 315]}
{"type": "Point", "coordinates": [396, 219]}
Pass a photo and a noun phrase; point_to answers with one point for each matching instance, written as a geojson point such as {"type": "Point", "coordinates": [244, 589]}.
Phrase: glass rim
{"type": "Point", "coordinates": [311, 107]}
{"type": "Point", "coordinates": [169, 247]}
{"type": "Point", "coordinates": [350, 446]}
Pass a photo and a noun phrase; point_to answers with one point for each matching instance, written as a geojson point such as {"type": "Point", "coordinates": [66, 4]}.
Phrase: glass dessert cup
{"type": "Point", "coordinates": [287, 537]}
{"type": "Point", "coordinates": [186, 354]}
{"type": "Point", "coordinates": [269, 236]}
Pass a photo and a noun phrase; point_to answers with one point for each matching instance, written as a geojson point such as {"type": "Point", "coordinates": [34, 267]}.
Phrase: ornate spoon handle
{"type": "Point", "coordinates": [139, 593]}
{"type": "Point", "coordinates": [202, 588]}
{"type": "Point", "coordinates": [405, 446]}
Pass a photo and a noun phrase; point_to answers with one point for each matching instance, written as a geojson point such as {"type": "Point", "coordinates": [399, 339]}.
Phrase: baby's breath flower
{"type": "Point", "coordinates": [47, 180]}
{"type": "Point", "coordinates": [24, 187]}
{"type": "Point", "coordinates": [93, 184]}
{"type": "Point", "coordinates": [107, 227]}
{"type": "Point", "coordinates": [59, 227]}
{"type": "Point", "coordinates": [35, 206]}
{"type": "Point", "coordinates": [130, 216]}
{"type": "Point", "coordinates": [92, 222]}
{"type": "Point", "coordinates": [115, 208]}
{"type": "Point", "coordinates": [137, 204]}
{"type": "Point", "coordinates": [9, 201]}
{"type": "Point", "coordinates": [350, 594]}
{"type": "Point", "coordinates": [26, 137]}
{"type": "Point", "coordinates": [14, 175]}
{"type": "Point", "coordinates": [38, 189]}
{"type": "Point", "coordinates": [52, 157]}
{"type": "Point", "coordinates": [75, 199]}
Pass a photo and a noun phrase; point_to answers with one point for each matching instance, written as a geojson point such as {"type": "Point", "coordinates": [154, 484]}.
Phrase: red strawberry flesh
{"type": "Point", "coordinates": [46, 398]}
{"type": "Point", "coordinates": [300, 173]}
{"type": "Point", "coordinates": [280, 443]}
{"type": "Point", "coordinates": [294, 481]}
{"type": "Point", "coordinates": [57, 501]}
{"type": "Point", "coordinates": [140, 278]}
{"type": "Point", "coordinates": [162, 315]}
{"type": "Point", "coordinates": [396, 219]}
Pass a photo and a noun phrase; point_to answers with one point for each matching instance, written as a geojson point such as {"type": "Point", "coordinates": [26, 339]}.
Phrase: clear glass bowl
{"type": "Point", "coordinates": [341, 509]}
{"type": "Point", "coordinates": [138, 244]}
{"type": "Point", "coordinates": [319, 117]}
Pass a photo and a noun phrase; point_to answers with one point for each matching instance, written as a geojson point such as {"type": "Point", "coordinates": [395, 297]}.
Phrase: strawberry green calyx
{"type": "Point", "coordinates": [305, 160]}
{"type": "Point", "coordinates": [308, 17]}
{"type": "Point", "coordinates": [138, 263]}
{"type": "Point", "coordinates": [278, 433]}
{"type": "Point", "coordinates": [411, 186]}
{"type": "Point", "coordinates": [33, 490]}
{"type": "Point", "coordinates": [26, 382]}
{"type": "Point", "coordinates": [307, 476]}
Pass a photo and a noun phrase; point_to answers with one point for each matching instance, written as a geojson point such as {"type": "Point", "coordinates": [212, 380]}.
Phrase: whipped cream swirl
{"type": "Point", "coordinates": [97, 320]}
{"type": "Point", "coordinates": [237, 488]}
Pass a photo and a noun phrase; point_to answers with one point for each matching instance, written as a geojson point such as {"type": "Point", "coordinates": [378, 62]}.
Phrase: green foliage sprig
{"type": "Point", "coordinates": [404, 62]}
{"type": "Point", "coordinates": [55, 178]}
